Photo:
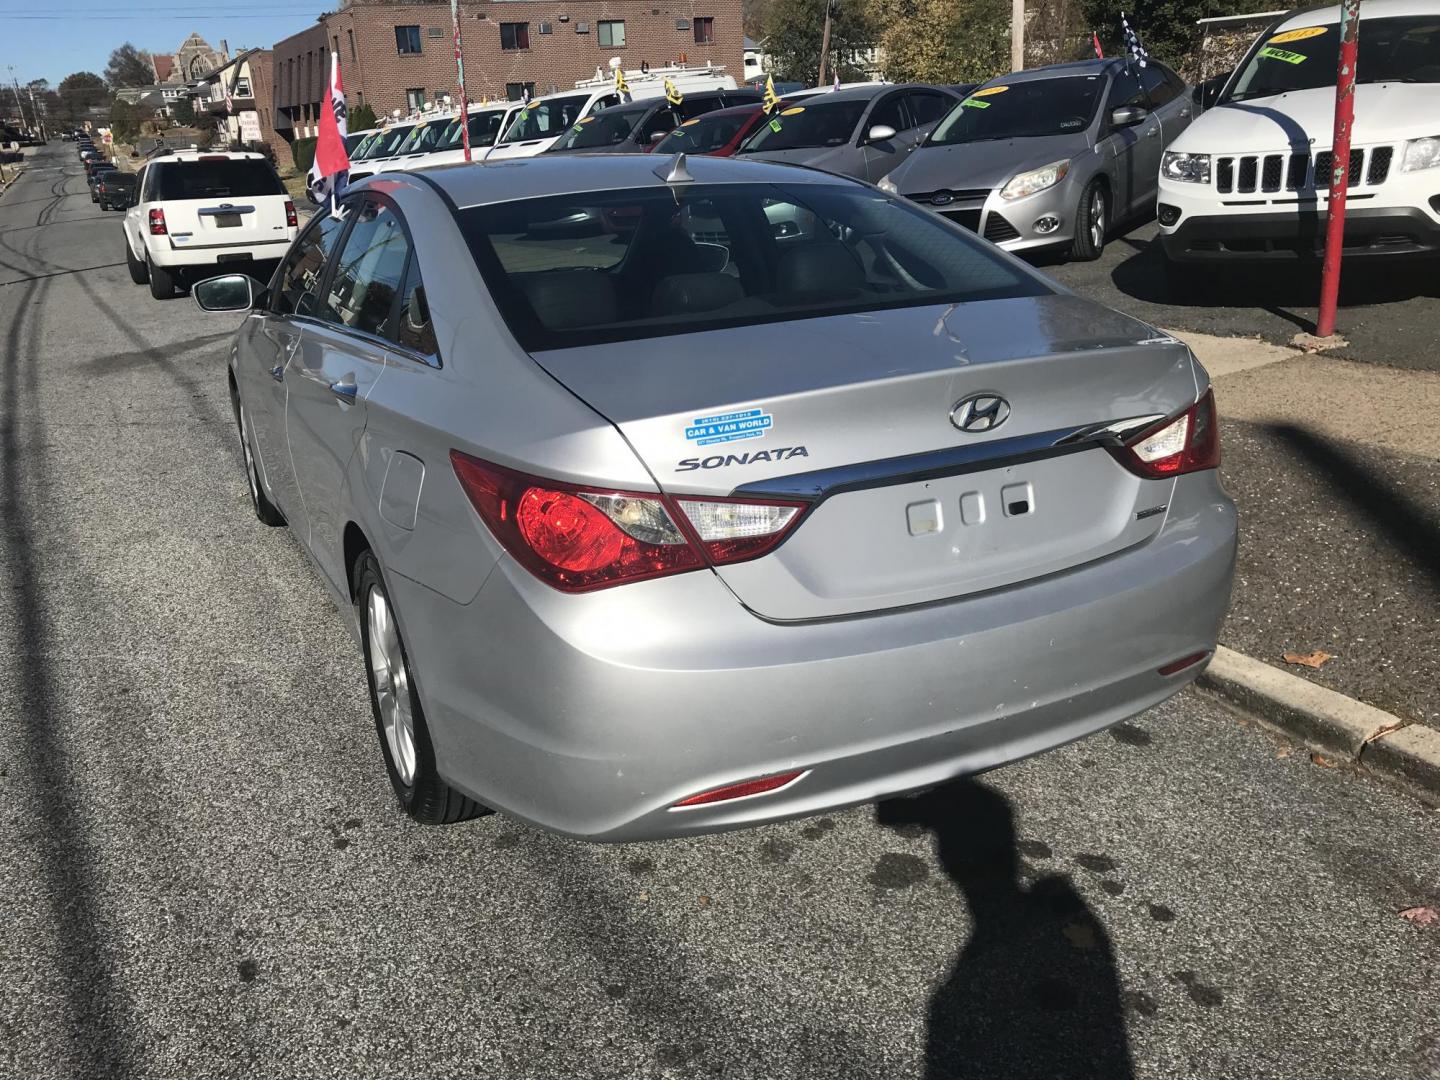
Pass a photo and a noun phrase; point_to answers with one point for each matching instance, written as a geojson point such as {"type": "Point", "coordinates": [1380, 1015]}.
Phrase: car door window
{"type": "Point", "coordinates": [662, 123]}
{"type": "Point", "coordinates": [927, 106]}
{"type": "Point", "coordinates": [369, 271]}
{"type": "Point", "coordinates": [1126, 90]}
{"type": "Point", "coordinates": [414, 329]}
{"type": "Point", "coordinates": [147, 185]}
{"type": "Point", "coordinates": [301, 272]}
{"type": "Point", "coordinates": [890, 112]}
{"type": "Point", "coordinates": [1156, 83]}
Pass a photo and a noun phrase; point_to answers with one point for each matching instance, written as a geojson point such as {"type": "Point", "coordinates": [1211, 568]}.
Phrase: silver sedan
{"type": "Point", "coordinates": [700, 494]}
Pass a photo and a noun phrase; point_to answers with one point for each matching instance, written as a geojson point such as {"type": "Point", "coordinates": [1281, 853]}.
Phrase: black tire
{"type": "Point", "coordinates": [425, 797]}
{"type": "Point", "coordinates": [138, 272]}
{"type": "Point", "coordinates": [265, 510]}
{"type": "Point", "coordinates": [163, 283]}
{"type": "Point", "coordinates": [1089, 242]}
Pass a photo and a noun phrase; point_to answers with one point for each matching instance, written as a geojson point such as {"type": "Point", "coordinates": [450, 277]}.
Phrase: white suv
{"type": "Point", "coordinates": [1250, 178]}
{"type": "Point", "coordinates": [196, 210]}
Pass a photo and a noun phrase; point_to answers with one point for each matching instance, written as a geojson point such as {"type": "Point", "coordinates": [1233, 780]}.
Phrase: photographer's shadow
{"type": "Point", "coordinates": [1034, 995]}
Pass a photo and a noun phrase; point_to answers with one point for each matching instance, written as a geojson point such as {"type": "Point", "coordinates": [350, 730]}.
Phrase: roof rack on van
{"type": "Point", "coordinates": [646, 74]}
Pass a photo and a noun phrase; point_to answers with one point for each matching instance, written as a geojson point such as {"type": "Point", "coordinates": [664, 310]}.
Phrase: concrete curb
{"type": "Point", "coordinates": [19, 171]}
{"type": "Point", "coordinates": [1332, 724]}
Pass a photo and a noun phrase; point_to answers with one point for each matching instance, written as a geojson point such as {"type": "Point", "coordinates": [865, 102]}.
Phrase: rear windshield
{"type": "Point", "coordinates": [546, 119]}
{"type": "Point", "coordinates": [118, 179]}
{"type": "Point", "coordinates": [622, 265]}
{"type": "Point", "coordinates": [1405, 49]}
{"type": "Point", "coordinates": [1022, 110]}
{"type": "Point", "coordinates": [807, 125]}
{"type": "Point", "coordinates": [238, 177]}
{"type": "Point", "coordinates": [704, 134]}
{"type": "Point", "coordinates": [608, 127]}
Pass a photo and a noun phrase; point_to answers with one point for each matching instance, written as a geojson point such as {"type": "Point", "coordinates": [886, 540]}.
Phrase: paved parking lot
{"type": "Point", "coordinates": [202, 871]}
{"type": "Point", "coordinates": [1390, 312]}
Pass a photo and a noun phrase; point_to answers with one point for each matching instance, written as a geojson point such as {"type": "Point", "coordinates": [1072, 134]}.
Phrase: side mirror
{"type": "Point", "coordinates": [1127, 116]}
{"type": "Point", "coordinates": [880, 133]}
{"type": "Point", "coordinates": [658, 137]}
{"type": "Point", "coordinates": [229, 292]}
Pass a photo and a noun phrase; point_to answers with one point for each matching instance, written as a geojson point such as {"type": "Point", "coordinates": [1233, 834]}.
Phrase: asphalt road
{"type": "Point", "coordinates": [1389, 312]}
{"type": "Point", "coordinates": [202, 872]}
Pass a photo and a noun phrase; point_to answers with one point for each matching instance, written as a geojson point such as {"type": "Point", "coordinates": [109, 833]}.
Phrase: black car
{"type": "Point", "coordinates": [114, 190]}
{"type": "Point", "coordinates": [93, 175]}
{"type": "Point", "coordinates": [636, 126]}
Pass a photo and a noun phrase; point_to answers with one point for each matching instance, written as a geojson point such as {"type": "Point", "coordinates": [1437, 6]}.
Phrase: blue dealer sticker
{"type": "Point", "coordinates": [729, 427]}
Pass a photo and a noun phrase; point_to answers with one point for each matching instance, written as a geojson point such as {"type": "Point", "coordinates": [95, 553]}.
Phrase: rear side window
{"type": "Point", "coordinates": [617, 266]}
{"type": "Point", "coordinates": [369, 272]}
{"type": "Point", "coordinates": [300, 274]}
{"type": "Point", "coordinates": [1161, 90]}
{"type": "Point", "coordinates": [230, 178]}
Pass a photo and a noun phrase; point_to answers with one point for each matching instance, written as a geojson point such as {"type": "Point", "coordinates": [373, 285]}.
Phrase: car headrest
{"type": "Point", "coordinates": [566, 299]}
{"type": "Point", "coordinates": [819, 268]}
{"type": "Point", "coordinates": [680, 294]}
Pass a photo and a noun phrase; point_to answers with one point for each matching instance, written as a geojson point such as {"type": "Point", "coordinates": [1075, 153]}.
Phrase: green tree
{"type": "Point", "coordinates": [944, 41]}
{"type": "Point", "coordinates": [184, 111]}
{"type": "Point", "coordinates": [129, 66]}
{"type": "Point", "coordinates": [1166, 27]}
{"type": "Point", "coordinates": [81, 92]}
{"type": "Point", "coordinates": [361, 118]}
{"type": "Point", "coordinates": [125, 120]}
{"type": "Point", "coordinates": [793, 32]}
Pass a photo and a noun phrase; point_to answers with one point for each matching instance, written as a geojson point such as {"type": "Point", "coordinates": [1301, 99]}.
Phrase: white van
{"type": "Point", "coordinates": [536, 126]}
{"type": "Point", "coordinates": [486, 124]}
{"type": "Point", "coordinates": [1250, 178]}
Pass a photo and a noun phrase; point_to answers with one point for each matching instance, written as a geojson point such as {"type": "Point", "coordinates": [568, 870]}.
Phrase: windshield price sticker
{"type": "Point", "coordinates": [729, 427]}
{"type": "Point", "coordinates": [1298, 35]}
{"type": "Point", "coordinates": [796, 111]}
{"type": "Point", "coordinates": [1282, 55]}
{"type": "Point", "coordinates": [775, 125]}
{"type": "Point", "coordinates": [971, 103]}
{"type": "Point", "coordinates": [990, 91]}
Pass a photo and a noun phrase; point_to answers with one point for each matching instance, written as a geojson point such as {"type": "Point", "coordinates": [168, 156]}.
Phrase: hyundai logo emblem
{"type": "Point", "coordinates": [941, 198]}
{"type": "Point", "coordinates": [979, 413]}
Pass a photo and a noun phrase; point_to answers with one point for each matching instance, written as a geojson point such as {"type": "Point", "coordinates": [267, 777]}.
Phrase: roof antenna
{"type": "Point", "coordinates": [675, 172]}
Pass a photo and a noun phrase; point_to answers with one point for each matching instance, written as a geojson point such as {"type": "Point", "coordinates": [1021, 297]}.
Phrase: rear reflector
{"type": "Point", "coordinates": [1184, 662]}
{"type": "Point", "coordinates": [742, 790]}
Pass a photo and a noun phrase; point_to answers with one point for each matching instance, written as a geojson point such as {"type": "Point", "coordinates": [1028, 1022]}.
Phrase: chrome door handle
{"type": "Point", "coordinates": [278, 372]}
{"type": "Point", "coordinates": [345, 389]}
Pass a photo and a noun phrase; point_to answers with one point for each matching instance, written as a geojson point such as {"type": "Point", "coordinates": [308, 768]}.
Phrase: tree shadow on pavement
{"type": "Point", "coordinates": [1034, 993]}
{"type": "Point", "coordinates": [1411, 531]}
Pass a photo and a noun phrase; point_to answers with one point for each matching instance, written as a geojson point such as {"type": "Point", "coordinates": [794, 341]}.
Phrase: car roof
{"type": "Point", "coordinates": [1051, 71]}
{"type": "Point", "coordinates": [564, 174]}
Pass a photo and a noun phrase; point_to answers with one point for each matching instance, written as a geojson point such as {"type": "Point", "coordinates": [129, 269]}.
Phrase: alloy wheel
{"type": "Point", "coordinates": [1097, 218]}
{"type": "Point", "coordinates": [391, 680]}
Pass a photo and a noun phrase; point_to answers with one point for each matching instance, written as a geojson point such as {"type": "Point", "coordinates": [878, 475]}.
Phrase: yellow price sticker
{"type": "Point", "coordinates": [989, 90]}
{"type": "Point", "coordinates": [1298, 35]}
{"type": "Point", "coordinates": [792, 112]}
{"type": "Point", "coordinates": [687, 123]}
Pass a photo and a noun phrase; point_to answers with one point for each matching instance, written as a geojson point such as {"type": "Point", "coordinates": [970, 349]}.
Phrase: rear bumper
{"type": "Point", "coordinates": [591, 715]}
{"type": "Point", "coordinates": [163, 251]}
{"type": "Point", "coordinates": [1300, 235]}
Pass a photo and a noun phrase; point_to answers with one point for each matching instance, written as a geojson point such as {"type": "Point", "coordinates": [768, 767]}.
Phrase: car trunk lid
{"type": "Point", "coordinates": [853, 413]}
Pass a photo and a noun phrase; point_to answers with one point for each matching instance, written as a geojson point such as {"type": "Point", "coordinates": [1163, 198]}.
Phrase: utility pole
{"type": "Point", "coordinates": [35, 108]}
{"type": "Point", "coordinates": [1339, 166]}
{"type": "Point", "coordinates": [19, 104]}
{"type": "Point", "coordinates": [460, 74]}
{"type": "Point", "coordinates": [1017, 35]}
{"type": "Point", "coordinates": [825, 42]}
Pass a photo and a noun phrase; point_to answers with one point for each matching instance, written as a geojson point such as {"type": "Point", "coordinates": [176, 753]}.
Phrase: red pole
{"type": "Point", "coordinates": [460, 74]}
{"type": "Point", "coordinates": [1339, 167]}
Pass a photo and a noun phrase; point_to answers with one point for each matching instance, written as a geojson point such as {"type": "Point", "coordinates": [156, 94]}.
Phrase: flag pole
{"type": "Point", "coordinates": [825, 42]}
{"type": "Point", "coordinates": [1339, 167]}
{"type": "Point", "coordinates": [460, 74]}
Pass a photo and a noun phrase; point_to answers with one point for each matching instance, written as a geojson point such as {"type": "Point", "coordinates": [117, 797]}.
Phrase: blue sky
{"type": "Point", "coordinates": [49, 39]}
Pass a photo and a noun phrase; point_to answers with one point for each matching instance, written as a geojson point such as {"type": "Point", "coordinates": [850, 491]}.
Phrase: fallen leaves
{"type": "Point", "coordinates": [1324, 762]}
{"type": "Point", "coordinates": [1424, 915]}
{"type": "Point", "coordinates": [1314, 659]}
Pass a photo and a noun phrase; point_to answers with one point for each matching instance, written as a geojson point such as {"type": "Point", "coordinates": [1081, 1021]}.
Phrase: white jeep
{"type": "Point", "coordinates": [199, 210]}
{"type": "Point", "coordinates": [1250, 178]}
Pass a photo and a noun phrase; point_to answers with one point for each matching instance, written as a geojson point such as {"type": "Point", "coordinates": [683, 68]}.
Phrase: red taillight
{"type": "Point", "coordinates": [741, 790]}
{"type": "Point", "coordinates": [1186, 443]}
{"type": "Point", "coordinates": [290, 218]}
{"type": "Point", "coordinates": [578, 538]}
{"type": "Point", "coordinates": [157, 222]}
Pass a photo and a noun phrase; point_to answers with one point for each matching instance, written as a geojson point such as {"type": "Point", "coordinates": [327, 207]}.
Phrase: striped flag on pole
{"type": "Point", "coordinates": [330, 170]}
{"type": "Point", "coordinates": [1133, 49]}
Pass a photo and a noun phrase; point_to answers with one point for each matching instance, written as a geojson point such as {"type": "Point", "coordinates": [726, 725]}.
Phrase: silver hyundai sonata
{"type": "Point", "coordinates": [669, 497]}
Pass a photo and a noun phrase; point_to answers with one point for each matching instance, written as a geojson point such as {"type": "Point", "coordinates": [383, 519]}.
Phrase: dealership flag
{"type": "Point", "coordinates": [770, 100]}
{"type": "Point", "coordinates": [330, 170]}
{"type": "Point", "coordinates": [1133, 49]}
{"type": "Point", "coordinates": [1095, 40]}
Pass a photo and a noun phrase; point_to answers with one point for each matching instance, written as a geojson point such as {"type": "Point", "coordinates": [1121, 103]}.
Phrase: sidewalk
{"type": "Point", "coordinates": [1335, 466]}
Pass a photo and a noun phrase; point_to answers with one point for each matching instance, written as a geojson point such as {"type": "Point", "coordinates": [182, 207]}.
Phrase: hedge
{"type": "Point", "coordinates": [303, 151]}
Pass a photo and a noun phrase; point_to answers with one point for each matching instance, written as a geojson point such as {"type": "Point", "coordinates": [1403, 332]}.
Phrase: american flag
{"type": "Point", "coordinates": [1133, 49]}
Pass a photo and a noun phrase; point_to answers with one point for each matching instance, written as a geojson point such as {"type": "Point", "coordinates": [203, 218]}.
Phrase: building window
{"type": "Point", "coordinates": [414, 98]}
{"type": "Point", "coordinates": [242, 87]}
{"type": "Point", "coordinates": [336, 41]}
{"type": "Point", "coordinates": [407, 40]}
{"type": "Point", "coordinates": [546, 28]}
{"type": "Point", "coordinates": [514, 35]}
{"type": "Point", "coordinates": [514, 91]}
{"type": "Point", "coordinates": [610, 33]}
{"type": "Point", "coordinates": [435, 32]}
{"type": "Point", "coordinates": [704, 31]}
{"type": "Point", "coordinates": [350, 36]}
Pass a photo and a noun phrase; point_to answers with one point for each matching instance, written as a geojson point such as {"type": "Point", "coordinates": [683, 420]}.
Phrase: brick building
{"type": "Point", "coordinates": [395, 55]}
{"type": "Point", "coordinates": [241, 96]}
